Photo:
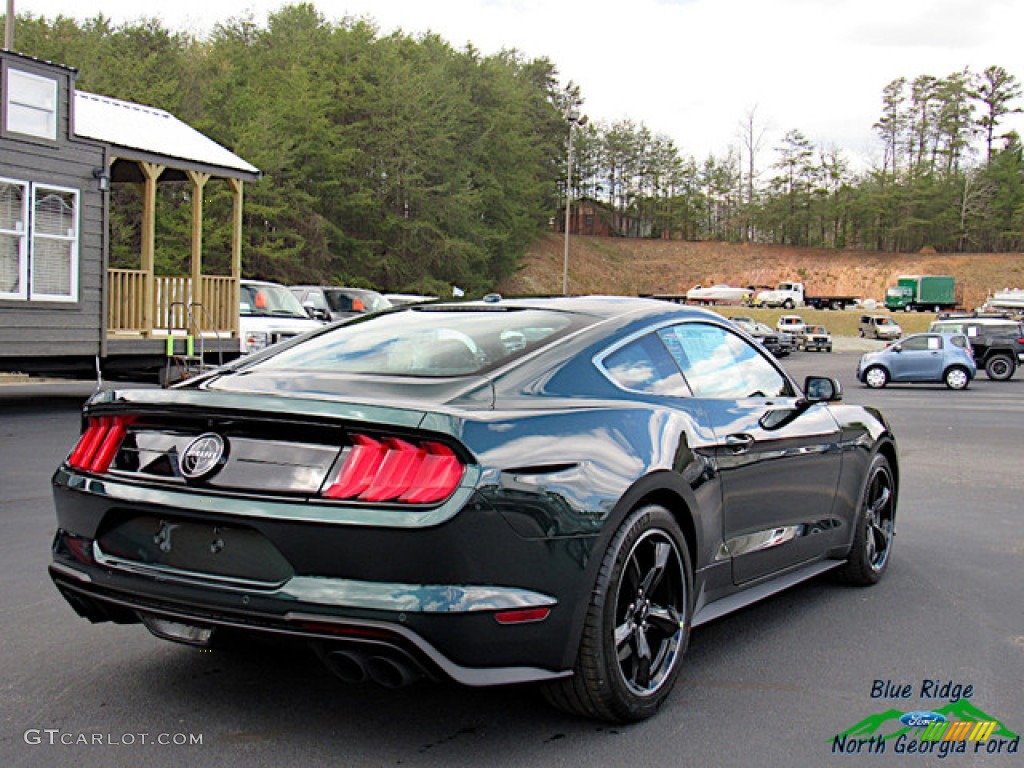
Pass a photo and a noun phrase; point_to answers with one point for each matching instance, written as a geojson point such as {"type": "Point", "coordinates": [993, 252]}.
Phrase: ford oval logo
{"type": "Point", "coordinates": [921, 719]}
{"type": "Point", "coordinates": [201, 456]}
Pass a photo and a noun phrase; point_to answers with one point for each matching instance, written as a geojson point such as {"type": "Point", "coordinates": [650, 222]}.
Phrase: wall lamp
{"type": "Point", "coordinates": [102, 177]}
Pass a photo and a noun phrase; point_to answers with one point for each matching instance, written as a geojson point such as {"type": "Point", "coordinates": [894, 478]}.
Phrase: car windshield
{"type": "Point", "coordinates": [425, 342]}
{"type": "Point", "coordinates": [268, 300]}
{"type": "Point", "coordinates": [355, 301]}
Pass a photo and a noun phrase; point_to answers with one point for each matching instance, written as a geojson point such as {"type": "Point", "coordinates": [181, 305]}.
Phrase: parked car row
{"type": "Point", "coordinates": [271, 312]}
{"type": "Point", "coordinates": [955, 348]}
{"type": "Point", "coordinates": [790, 334]}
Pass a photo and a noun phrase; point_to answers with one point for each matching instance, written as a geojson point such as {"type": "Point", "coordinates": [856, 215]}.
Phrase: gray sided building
{"type": "Point", "coordinates": [61, 308]}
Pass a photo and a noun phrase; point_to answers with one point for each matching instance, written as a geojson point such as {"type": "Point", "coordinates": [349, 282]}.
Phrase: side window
{"type": "Point", "coordinates": [316, 298]}
{"type": "Point", "coordinates": [921, 343]}
{"type": "Point", "coordinates": [720, 365]}
{"type": "Point", "coordinates": [645, 365]}
{"type": "Point", "coordinates": [958, 341]}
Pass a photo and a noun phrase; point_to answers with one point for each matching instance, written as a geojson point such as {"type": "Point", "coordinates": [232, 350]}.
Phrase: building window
{"type": "Point", "coordinates": [38, 242]}
{"type": "Point", "coordinates": [31, 105]}
{"type": "Point", "coordinates": [13, 239]}
{"type": "Point", "coordinates": [54, 264]}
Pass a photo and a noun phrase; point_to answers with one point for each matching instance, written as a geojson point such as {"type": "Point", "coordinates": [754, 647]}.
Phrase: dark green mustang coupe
{"type": "Point", "coordinates": [554, 491]}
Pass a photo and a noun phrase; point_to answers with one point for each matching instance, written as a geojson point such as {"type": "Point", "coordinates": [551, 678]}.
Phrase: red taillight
{"type": "Point", "coordinates": [392, 469]}
{"type": "Point", "coordinates": [99, 444]}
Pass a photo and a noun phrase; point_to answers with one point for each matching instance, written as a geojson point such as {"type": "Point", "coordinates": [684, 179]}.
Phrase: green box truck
{"type": "Point", "coordinates": [923, 293]}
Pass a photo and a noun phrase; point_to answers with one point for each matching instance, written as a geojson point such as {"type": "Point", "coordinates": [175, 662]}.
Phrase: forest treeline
{"type": "Point", "coordinates": [400, 162]}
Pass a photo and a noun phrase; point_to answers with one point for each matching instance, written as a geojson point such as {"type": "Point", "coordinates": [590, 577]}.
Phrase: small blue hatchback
{"type": "Point", "coordinates": [923, 357]}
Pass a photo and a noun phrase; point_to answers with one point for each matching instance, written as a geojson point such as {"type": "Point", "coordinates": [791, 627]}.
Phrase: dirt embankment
{"type": "Point", "coordinates": [599, 265]}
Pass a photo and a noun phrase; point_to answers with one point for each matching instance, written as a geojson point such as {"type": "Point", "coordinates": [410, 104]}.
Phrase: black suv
{"type": "Point", "coordinates": [997, 340]}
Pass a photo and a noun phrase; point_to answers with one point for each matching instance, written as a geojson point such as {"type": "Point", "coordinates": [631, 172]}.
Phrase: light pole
{"type": "Point", "coordinates": [574, 118]}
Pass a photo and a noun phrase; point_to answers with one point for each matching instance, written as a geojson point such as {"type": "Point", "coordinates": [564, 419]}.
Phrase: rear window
{"type": "Point", "coordinates": [426, 342]}
{"type": "Point", "coordinates": [976, 329]}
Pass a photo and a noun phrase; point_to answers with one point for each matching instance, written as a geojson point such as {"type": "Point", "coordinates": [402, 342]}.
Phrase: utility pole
{"type": "Point", "coordinates": [574, 118]}
{"type": "Point", "coordinates": [9, 26]}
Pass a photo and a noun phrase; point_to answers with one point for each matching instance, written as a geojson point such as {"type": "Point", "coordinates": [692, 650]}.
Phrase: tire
{"type": "Point", "coordinates": [788, 304]}
{"type": "Point", "coordinates": [860, 332]}
{"type": "Point", "coordinates": [956, 377]}
{"type": "Point", "coordinates": [637, 624]}
{"type": "Point", "coordinates": [876, 377]}
{"type": "Point", "coordinates": [1000, 367]}
{"type": "Point", "coordinates": [874, 528]}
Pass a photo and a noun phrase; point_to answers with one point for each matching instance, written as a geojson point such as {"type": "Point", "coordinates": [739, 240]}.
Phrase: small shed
{"type": "Point", "coordinates": [62, 309]}
{"type": "Point", "coordinates": [591, 217]}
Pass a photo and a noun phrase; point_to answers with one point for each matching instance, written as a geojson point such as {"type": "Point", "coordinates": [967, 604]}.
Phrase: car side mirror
{"type": "Point", "coordinates": [897, 347]}
{"type": "Point", "coordinates": [822, 389]}
{"type": "Point", "coordinates": [313, 312]}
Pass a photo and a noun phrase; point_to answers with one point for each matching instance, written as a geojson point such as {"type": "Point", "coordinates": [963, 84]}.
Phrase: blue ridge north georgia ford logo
{"type": "Point", "coordinates": [201, 456]}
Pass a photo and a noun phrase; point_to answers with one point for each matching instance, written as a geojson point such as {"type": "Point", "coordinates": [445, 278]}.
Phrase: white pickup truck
{"type": "Point", "coordinates": [269, 313]}
{"type": "Point", "coordinates": [791, 295]}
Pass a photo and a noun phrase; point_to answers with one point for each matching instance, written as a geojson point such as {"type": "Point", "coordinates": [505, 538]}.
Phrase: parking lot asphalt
{"type": "Point", "coordinates": [771, 685]}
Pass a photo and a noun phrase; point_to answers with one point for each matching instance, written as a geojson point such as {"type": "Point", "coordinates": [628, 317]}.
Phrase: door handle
{"type": "Point", "coordinates": [739, 443]}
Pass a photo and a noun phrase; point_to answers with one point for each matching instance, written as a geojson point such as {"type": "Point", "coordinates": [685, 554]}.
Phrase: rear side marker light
{"type": "Point", "coordinates": [392, 469]}
{"type": "Point", "coordinates": [522, 615]}
{"type": "Point", "coordinates": [99, 444]}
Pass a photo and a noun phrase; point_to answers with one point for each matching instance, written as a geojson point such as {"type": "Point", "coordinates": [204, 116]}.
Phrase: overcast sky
{"type": "Point", "coordinates": [690, 69]}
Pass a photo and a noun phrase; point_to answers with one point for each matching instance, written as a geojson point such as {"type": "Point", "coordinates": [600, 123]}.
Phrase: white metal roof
{"type": "Point", "coordinates": [136, 126]}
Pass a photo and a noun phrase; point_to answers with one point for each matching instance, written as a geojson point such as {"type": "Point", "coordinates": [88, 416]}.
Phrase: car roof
{"type": "Point", "coordinates": [978, 320]}
{"type": "Point", "coordinates": [597, 306]}
{"type": "Point", "coordinates": [336, 288]}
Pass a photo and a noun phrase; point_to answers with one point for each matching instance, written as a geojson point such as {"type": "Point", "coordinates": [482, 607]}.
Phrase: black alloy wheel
{"type": "Point", "coordinates": [876, 527]}
{"type": "Point", "coordinates": [1000, 367]}
{"type": "Point", "coordinates": [637, 626]}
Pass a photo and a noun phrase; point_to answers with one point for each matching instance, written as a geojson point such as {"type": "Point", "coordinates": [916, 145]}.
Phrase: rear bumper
{"type": "Point", "coordinates": [442, 592]}
{"type": "Point", "coordinates": [112, 597]}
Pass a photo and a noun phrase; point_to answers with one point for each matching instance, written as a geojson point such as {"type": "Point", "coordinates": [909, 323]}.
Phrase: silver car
{"type": "Point", "coordinates": [923, 357]}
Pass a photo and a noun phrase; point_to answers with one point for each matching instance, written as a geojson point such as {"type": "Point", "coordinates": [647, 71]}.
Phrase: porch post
{"type": "Point", "coordinates": [236, 248]}
{"type": "Point", "coordinates": [152, 172]}
{"type": "Point", "coordinates": [198, 180]}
